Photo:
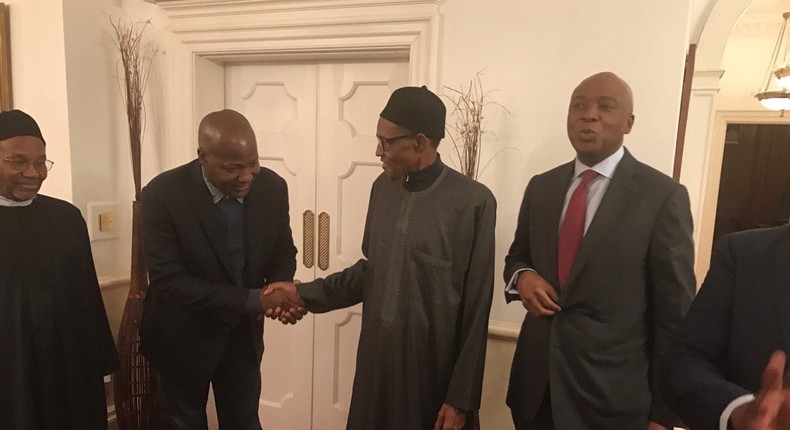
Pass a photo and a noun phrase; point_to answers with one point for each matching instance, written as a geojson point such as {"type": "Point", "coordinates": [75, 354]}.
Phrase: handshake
{"type": "Point", "coordinates": [280, 301]}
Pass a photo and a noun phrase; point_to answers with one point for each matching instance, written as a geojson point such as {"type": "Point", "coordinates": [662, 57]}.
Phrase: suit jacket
{"type": "Point", "coordinates": [739, 318]}
{"type": "Point", "coordinates": [193, 300]}
{"type": "Point", "coordinates": [628, 290]}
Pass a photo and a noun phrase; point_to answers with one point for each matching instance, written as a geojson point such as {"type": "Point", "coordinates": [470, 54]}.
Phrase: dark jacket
{"type": "Point", "coordinates": [193, 300]}
{"type": "Point", "coordinates": [628, 290]}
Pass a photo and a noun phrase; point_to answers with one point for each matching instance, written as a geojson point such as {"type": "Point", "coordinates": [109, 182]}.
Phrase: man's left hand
{"type": "Point", "coordinates": [450, 418]}
{"type": "Point", "coordinates": [652, 425]}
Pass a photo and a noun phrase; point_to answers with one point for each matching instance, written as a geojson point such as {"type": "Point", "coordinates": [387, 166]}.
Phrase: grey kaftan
{"type": "Point", "coordinates": [426, 282]}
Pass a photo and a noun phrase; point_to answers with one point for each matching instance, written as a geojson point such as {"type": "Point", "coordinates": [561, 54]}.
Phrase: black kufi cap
{"type": "Point", "coordinates": [17, 123]}
{"type": "Point", "coordinates": [418, 110]}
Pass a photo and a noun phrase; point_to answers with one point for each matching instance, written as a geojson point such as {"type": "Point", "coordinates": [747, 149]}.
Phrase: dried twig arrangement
{"type": "Point", "coordinates": [134, 385]}
{"type": "Point", "coordinates": [136, 58]}
{"type": "Point", "coordinates": [469, 128]}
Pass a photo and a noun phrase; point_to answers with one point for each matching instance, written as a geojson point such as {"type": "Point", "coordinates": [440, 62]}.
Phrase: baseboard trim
{"type": "Point", "coordinates": [503, 330]}
{"type": "Point", "coordinates": [113, 282]}
{"type": "Point", "coordinates": [111, 416]}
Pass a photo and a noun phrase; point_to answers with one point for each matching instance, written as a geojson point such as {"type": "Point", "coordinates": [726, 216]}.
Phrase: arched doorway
{"type": "Point", "coordinates": [703, 152]}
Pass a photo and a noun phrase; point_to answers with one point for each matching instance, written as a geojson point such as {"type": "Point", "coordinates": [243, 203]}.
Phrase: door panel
{"type": "Point", "coordinates": [280, 103]}
{"type": "Point", "coordinates": [350, 98]}
{"type": "Point", "coordinates": [315, 126]}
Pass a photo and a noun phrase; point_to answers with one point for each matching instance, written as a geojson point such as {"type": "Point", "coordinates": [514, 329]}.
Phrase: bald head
{"type": "Point", "coordinates": [610, 78]}
{"type": "Point", "coordinates": [225, 127]}
{"type": "Point", "coordinates": [599, 116]}
{"type": "Point", "coordinates": [228, 152]}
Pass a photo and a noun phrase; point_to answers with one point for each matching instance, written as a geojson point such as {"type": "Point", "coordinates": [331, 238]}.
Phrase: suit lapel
{"type": "Point", "coordinates": [613, 205]}
{"type": "Point", "coordinates": [781, 284]}
{"type": "Point", "coordinates": [210, 218]}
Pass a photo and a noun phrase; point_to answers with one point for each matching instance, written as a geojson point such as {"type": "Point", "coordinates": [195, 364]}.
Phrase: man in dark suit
{"type": "Point", "coordinates": [602, 261]}
{"type": "Point", "coordinates": [216, 230]}
{"type": "Point", "coordinates": [717, 373]}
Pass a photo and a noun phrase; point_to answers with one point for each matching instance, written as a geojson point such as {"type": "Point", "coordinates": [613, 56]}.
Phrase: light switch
{"type": "Point", "coordinates": [103, 220]}
{"type": "Point", "coordinates": [106, 221]}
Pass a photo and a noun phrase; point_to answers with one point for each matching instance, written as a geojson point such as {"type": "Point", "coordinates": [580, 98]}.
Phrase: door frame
{"type": "Point", "coordinates": [208, 35]}
{"type": "Point", "coordinates": [710, 194]}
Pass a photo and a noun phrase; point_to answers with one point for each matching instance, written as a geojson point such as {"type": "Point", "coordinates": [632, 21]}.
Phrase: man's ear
{"type": "Point", "coordinates": [201, 155]}
{"type": "Point", "coordinates": [630, 123]}
{"type": "Point", "coordinates": [420, 142]}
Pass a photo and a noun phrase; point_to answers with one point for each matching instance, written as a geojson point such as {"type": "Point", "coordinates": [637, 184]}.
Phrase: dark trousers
{"type": "Point", "coordinates": [237, 389]}
{"type": "Point", "coordinates": [542, 419]}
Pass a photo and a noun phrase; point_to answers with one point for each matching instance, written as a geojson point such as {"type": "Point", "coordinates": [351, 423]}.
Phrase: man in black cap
{"type": "Point", "coordinates": [426, 280]}
{"type": "Point", "coordinates": [55, 340]}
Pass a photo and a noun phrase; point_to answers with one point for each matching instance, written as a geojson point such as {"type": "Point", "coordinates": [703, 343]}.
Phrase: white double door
{"type": "Point", "coordinates": [315, 125]}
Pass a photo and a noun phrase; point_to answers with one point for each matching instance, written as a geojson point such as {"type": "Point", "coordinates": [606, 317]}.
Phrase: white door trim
{"type": "Point", "coordinates": [207, 32]}
{"type": "Point", "coordinates": [701, 169]}
{"type": "Point", "coordinates": [713, 174]}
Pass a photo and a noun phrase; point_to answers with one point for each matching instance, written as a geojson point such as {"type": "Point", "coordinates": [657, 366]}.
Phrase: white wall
{"type": "Point", "coordinates": [99, 143]}
{"type": "Point", "coordinates": [38, 73]}
{"type": "Point", "coordinates": [530, 54]}
{"type": "Point", "coordinates": [534, 53]}
{"type": "Point", "coordinates": [534, 57]}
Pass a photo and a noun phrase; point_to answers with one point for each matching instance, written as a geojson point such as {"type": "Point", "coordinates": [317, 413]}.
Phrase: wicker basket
{"type": "Point", "coordinates": [134, 386]}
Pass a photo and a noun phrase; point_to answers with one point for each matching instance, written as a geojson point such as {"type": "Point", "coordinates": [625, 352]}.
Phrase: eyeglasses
{"type": "Point", "coordinates": [386, 143]}
{"type": "Point", "coordinates": [19, 164]}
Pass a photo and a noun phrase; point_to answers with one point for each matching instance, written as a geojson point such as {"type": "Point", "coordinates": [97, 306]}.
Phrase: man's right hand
{"type": "Point", "coordinates": [770, 409]}
{"type": "Point", "coordinates": [537, 295]}
{"type": "Point", "coordinates": [279, 300]}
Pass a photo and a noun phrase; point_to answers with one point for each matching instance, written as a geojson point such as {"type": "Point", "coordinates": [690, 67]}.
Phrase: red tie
{"type": "Point", "coordinates": [572, 229]}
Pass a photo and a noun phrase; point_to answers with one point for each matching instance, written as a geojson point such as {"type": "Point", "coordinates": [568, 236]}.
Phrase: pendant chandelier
{"type": "Point", "coordinates": [779, 70]}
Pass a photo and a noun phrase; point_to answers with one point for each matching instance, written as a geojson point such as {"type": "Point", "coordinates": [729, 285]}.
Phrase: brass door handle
{"type": "Point", "coordinates": [308, 239]}
{"type": "Point", "coordinates": [323, 241]}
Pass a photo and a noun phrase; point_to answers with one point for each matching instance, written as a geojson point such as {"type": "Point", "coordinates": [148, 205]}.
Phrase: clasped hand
{"type": "Point", "coordinates": [537, 295]}
{"type": "Point", "coordinates": [279, 300]}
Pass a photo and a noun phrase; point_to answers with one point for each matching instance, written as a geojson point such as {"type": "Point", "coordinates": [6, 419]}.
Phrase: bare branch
{"type": "Point", "coordinates": [468, 104]}
{"type": "Point", "coordinates": [136, 59]}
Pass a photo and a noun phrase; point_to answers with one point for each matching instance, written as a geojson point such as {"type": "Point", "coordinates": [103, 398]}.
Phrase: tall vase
{"type": "Point", "coordinates": [135, 390]}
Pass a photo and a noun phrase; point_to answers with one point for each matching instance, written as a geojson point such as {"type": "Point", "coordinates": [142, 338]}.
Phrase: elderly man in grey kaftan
{"type": "Point", "coordinates": [426, 280]}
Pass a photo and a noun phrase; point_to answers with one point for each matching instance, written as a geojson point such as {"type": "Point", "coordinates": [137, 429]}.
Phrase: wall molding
{"type": "Point", "coordinates": [191, 5]}
{"type": "Point", "coordinates": [221, 31]}
{"type": "Point", "coordinates": [107, 283]}
{"type": "Point", "coordinates": [497, 329]}
{"type": "Point", "coordinates": [112, 417]}
{"type": "Point", "coordinates": [503, 330]}
{"type": "Point", "coordinates": [707, 80]}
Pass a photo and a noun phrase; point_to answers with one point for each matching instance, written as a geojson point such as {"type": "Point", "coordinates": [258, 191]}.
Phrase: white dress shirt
{"type": "Point", "coordinates": [725, 415]}
{"type": "Point", "coordinates": [598, 187]}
